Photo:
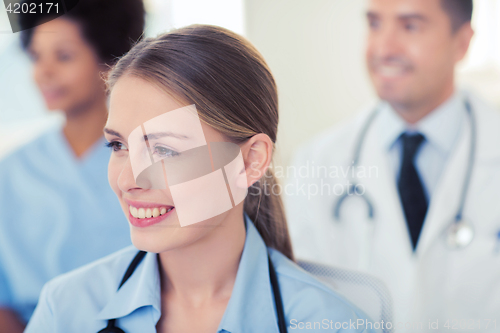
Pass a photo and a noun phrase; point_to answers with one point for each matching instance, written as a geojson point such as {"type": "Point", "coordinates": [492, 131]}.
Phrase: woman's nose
{"type": "Point", "coordinates": [44, 69]}
{"type": "Point", "coordinates": [126, 179]}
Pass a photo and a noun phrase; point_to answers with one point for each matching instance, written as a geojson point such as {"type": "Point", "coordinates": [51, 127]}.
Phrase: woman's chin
{"type": "Point", "coordinates": [56, 107]}
{"type": "Point", "coordinates": [154, 242]}
{"type": "Point", "coordinates": [52, 106]}
{"type": "Point", "coordinates": [147, 245]}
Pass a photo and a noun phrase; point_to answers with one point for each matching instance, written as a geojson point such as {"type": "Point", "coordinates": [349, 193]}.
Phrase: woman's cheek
{"type": "Point", "coordinates": [113, 174]}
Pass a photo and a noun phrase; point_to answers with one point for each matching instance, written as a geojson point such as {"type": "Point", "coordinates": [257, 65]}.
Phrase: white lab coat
{"type": "Point", "coordinates": [434, 283]}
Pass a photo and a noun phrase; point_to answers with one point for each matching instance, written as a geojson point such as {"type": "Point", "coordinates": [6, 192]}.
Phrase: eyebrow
{"type": "Point", "coordinates": [402, 17]}
{"type": "Point", "coordinates": [157, 135]}
{"type": "Point", "coordinates": [418, 17]}
{"type": "Point", "coordinates": [150, 136]}
{"type": "Point", "coordinates": [110, 131]}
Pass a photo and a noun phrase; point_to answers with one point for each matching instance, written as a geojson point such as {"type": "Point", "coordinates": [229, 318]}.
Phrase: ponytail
{"type": "Point", "coordinates": [265, 209]}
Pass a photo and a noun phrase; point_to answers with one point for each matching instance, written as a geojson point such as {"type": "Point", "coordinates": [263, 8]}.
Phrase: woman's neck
{"type": "Point", "coordinates": [84, 128]}
{"type": "Point", "coordinates": [205, 270]}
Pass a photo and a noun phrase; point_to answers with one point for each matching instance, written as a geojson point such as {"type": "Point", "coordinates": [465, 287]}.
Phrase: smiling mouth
{"type": "Point", "coordinates": [391, 70]}
{"type": "Point", "coordinates": [145, 213]}
{"type": "Point", "coordinates": [52, 93]}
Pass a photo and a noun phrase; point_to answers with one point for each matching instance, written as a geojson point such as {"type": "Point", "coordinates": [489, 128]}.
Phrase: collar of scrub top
{"type": "Point", "coordinates": [251, 300]}
{"type": "Point", "coordinates": [440, 128]}
{"type": "Point", "coordinates": [59, 151]}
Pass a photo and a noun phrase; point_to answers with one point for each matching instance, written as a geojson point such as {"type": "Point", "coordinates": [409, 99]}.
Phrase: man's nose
{"type": "Point", "coordinates": [385, 43]}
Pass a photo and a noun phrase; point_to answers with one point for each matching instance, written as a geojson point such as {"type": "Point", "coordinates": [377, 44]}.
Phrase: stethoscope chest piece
{"type": "Point", "coordinates": [459, 234]}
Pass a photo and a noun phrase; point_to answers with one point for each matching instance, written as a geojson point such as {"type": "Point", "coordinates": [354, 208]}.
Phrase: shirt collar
{"type": "Point", "coordinates": [251, 301]}
{"type": "Point", "coordinates": [440, 127]}
{"type": "Point", "coordinates": [141, 289]}
{"type": "Point", "coordinates": [96, 152]}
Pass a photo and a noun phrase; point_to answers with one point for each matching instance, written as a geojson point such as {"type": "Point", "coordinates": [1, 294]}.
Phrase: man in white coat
{"type": "Point", "coordinates": [412, 172]}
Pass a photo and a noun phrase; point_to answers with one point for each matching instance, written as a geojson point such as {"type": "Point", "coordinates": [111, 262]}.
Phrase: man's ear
{"type": "Point", "coordinates": [463, 38]}
{"type": "Point", "coordinates": [257, 153]}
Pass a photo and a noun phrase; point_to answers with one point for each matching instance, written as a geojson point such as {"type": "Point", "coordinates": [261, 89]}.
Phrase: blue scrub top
{"type": "Point", "coordinates": [83, 300]}
{"type": "Point", "coordinates": [57, 213]}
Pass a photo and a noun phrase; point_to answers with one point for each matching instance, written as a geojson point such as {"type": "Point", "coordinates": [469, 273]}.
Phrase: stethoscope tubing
{"type": "Point", "coordinates": [357, 155]}
{"type": "Point", "coordinates": [112, 328]}
{"type": "Point", "coordinates": [470, 164]}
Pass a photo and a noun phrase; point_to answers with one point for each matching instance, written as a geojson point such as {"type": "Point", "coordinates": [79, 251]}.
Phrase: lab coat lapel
{"type": "Point", "coordinates": [391, 233]}
{"type": "Point", "coordinates": [392, 257]}
{"type": "Point", "coordinates": [444, 202]}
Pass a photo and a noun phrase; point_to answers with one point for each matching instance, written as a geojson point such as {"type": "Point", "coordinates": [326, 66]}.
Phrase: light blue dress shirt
{"type": "Point", "coordinates": [83, 300]}
{"type": "Point", "coordinates": [57, 213]}
{"type": "Point", "coordinates": [441, 129]}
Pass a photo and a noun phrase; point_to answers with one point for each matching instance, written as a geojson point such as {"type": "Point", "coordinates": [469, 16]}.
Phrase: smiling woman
{"type": "Point", "coordinates": [230, 272]}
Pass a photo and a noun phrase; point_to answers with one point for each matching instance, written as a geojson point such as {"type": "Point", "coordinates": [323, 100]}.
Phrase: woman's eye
{"type": "Point", "coordinates": [33, 56]}
{"type": "Point", "coordinates": [63, 57]}
{"type": "Point", "coordinates": [116, 146]}
{"type": "Point", "coordinates": [164, 151]}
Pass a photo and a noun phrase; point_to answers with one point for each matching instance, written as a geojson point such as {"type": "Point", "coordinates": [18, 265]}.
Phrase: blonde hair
{"type": "Point", "coordinates": [234, 92]}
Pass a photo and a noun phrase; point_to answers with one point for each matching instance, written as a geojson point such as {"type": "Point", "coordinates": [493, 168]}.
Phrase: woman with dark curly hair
{"type": "Point", "coordinates": [57, 211]}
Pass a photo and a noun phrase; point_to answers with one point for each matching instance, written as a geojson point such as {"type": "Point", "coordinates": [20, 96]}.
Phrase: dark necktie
{"type": "Point", "coordinates": [410, 187]}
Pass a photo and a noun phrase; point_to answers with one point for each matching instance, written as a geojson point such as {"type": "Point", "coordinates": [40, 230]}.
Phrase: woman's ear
{"type": "Point", "coordinates": [257, 154]}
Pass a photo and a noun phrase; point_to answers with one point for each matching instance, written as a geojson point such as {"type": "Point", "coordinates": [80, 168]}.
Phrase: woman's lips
{"type": "Point", "coordinates": [144, 215]}
{"type": "Point", "coordinates": [52, 95]}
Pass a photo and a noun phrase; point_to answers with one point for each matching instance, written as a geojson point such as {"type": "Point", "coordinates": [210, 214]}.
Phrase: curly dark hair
{"type": "Point", "coordinates": [111, 27]}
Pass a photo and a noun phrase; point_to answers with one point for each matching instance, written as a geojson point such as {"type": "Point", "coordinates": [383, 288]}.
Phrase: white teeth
{"type": "Point", "coordinates": [142, 213]}
{"type": "Point", "coordinates": [133, 211]}
{"type": "Point", "coordinates": [391, 70]}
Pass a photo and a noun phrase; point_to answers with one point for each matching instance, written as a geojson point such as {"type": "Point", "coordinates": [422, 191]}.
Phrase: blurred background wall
{"type": "Point", "coordinates": [316, 51]}
{"type": "Point", "coordinates": [314, 48]}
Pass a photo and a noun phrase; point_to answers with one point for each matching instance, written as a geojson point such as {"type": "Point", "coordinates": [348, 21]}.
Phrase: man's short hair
{"type": "Point", "coordinates": [459, 11]}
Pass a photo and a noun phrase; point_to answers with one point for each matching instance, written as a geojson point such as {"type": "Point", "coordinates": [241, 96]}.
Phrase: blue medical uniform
{"type": "Point", "coordinates": [57, 213]}
{"type": "Point", "coordinates": [83, 300]}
